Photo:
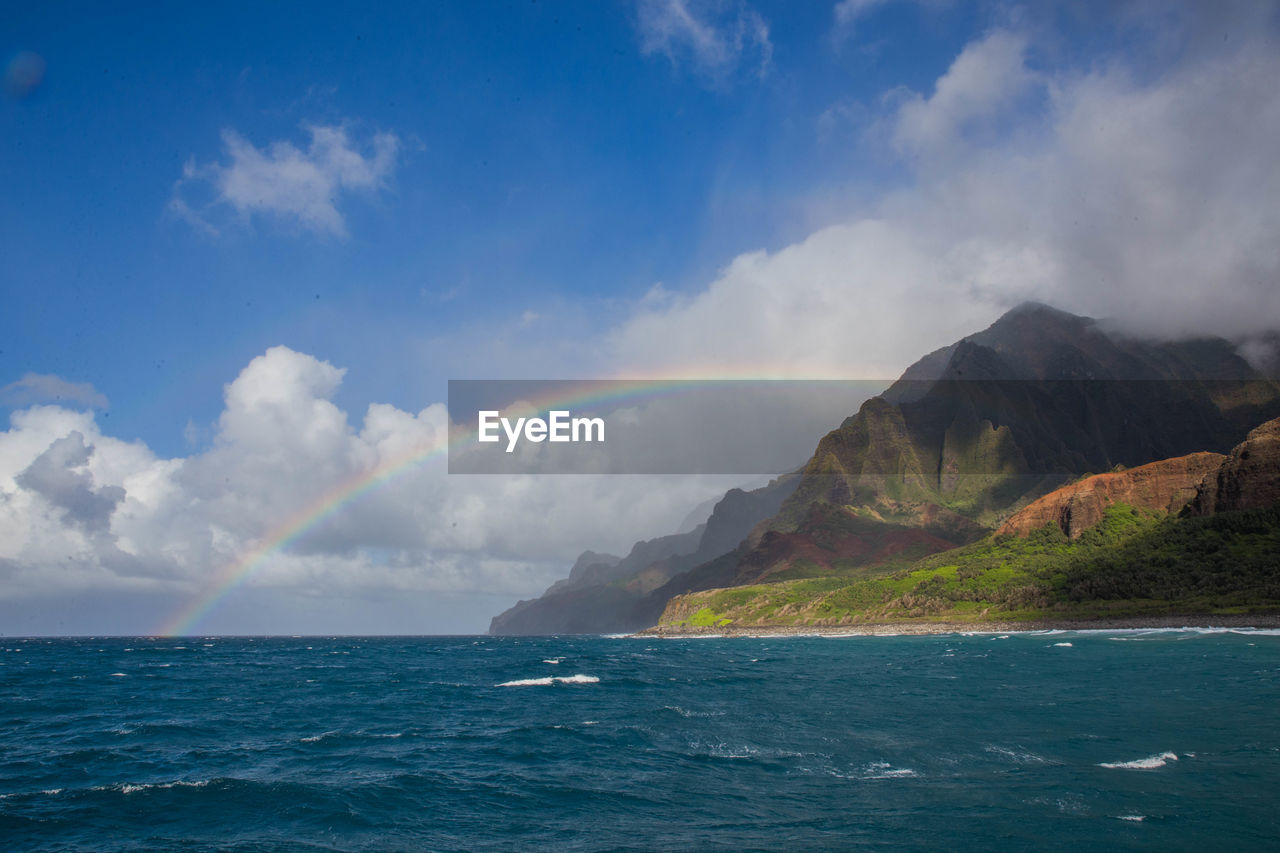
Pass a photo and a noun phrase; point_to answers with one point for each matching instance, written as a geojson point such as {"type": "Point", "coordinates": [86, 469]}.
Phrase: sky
{"type": "Point", "coordinates": [244, 249]}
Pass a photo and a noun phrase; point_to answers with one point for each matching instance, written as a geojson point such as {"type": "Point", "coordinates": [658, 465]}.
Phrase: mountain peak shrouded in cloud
{"type": "Point", "coordinates": [1147, 199]}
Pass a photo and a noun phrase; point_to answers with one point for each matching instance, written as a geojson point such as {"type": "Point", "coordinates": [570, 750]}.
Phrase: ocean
{"type": "Point", "coordinates": [1118, 740]}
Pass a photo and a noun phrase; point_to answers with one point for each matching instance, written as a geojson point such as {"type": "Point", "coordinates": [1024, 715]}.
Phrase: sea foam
{"type": "Point", "coordinates": [1151, 762]}
{"type": "Point", "coordinates": [549, 680]}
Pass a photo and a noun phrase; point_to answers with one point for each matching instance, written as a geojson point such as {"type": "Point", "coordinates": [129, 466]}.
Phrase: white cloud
{"type": "Point", "coordinates": [286, 182]}
{"type": "Point", "coordinates": [715, 36]}
{"type": "Point", "coordinates": [1150, 199]}
{"type": "Point", "coordinates": [984, 81]}
{"type": "Point", "coordinates": [47, 388]}
{"type": "Point", "coordinates": [82, 511]}
{"type": "Point", "coordinates": [60, 475]}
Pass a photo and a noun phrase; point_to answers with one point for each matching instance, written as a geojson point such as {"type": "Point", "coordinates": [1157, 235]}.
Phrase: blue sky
{"type": "Point", "coordinates": [542, 157]}
{"type": "Point", "coordinates": [202, 199]}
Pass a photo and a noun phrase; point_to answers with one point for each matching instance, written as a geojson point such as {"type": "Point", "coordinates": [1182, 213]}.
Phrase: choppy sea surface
{"type": "Point", "coordinates": [1113, 740]}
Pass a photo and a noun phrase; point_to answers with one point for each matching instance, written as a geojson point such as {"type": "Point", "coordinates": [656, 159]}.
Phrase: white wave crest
{"type": "Point", "coordinates": [1151, 762]}
{"type": "Point", "coordinates": [687, 714]}
{"type": "Point", "coordinates": [1062, 645]}
{"type": "Point", "coordinates": [1136, 818]}
{"type": "Point", "coordinates": [128, 788]}
{"type": "Point", "coordinates": [549, 680]}
{"type": "Point", "coordinates": [1018, 755]}
{"type": "Point", "coordinates": [884, 770]}
{"type": "Point", "coordinates": [529, 682]}
{"type": "Point", "coordinates": [316, 738]}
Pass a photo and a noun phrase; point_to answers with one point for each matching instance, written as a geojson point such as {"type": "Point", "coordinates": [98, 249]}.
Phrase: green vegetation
{"type": "Point", "coordinates": [1133, 563]}
{"type": "Point", "coordinates": [706, 618]}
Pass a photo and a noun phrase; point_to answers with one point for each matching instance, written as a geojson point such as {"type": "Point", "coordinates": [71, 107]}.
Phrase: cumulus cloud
{"type": "Point", "coordinates": [716, 37]}
{"type": "Point", "coordinates": [983, 82]}
{"type": "Point", "coordinates": [81, 510]}
{"type": "Point", "coordinates": [282, 181]}
{"type": "Point", "coordinates": [61, 476]}
{"type": "Point", "coordinates": [1149, 198]}
{"type": "Point", "coordinates": [47, 388]}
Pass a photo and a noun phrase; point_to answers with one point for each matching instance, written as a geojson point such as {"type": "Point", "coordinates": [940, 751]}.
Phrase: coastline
{"type": "Point", "coordinates": [1260, 621]}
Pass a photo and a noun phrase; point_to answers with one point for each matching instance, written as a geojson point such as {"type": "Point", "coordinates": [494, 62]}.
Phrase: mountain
{"type": "Point", "coordinates": [980, 428]}
{"type": "Point", "coordinates": [605, 594]}
{"type": "Point", "coordinates": [969, 435]}
{"type": "Point", "coordinates": [1194, 536]}
{"type": "Point", "coordinates": [1249, 479]}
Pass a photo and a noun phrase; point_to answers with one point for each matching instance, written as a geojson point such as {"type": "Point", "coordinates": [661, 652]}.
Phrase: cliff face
{"type": "Point", "coordinates": [1248, 479]}
{"type": "Point", "coordinates": [589, 569]}
{"type": "Point", "coordinates": [1209, 548]}
{"type": "Point", "coordinates": [591, 600]}
{"type": "Point", "coordinates": [605, 594]}
{"type": "Point", "coordinates": [1008, 415]}
{"type": "Point", "coordinates": [1167, 486]}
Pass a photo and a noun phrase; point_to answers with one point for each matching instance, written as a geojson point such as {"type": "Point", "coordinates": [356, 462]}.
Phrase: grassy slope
{"type": "Point", "coordinates": [1133, 563]}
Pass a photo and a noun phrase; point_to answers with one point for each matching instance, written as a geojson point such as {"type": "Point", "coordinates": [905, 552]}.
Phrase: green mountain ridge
{"type": "Point", "coordinates": [976, 430]}
{"type": "Point", "coordinates": [969, 435]}
{"type": "Point", "coordinates": [1133, 564]}
{"type": "Point", "coordinates": [1214, 552]}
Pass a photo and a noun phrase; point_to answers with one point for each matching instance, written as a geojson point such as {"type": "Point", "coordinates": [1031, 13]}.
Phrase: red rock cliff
{"type": "Point", "coordinates": [1167, 485]}
{"type": "Point", "coordinates": [1248, 479]}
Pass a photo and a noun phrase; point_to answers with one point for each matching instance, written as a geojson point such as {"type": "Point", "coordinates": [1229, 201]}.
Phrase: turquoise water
{"type": "Point", "coordinates": [1116, 740]}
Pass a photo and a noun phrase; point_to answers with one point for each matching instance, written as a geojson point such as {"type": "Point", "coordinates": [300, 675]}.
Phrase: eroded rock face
{"type": "Point", "coordinates": [1167, 485]}
{"type": "Point", "coordinates": [1248, 479]}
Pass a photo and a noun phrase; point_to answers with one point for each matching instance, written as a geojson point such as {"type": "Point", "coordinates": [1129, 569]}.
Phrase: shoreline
{"type": "Point", "coordinates": [881, 629]}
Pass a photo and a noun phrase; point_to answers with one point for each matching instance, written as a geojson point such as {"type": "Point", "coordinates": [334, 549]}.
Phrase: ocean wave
{"type": "Point", "coordinates": [549, 680]}
{"type": "Point", "coordinates": [1017, 755]}
{"type": "Point", "coordinates": [1151, 762]}
{"type": "Point", "coordinates": [316, 738]}
{"type": "Point", "coordinates": [1062, 645]}
{"type": "Point", "coordinates": [553, 660]}
{"type": "Point", "coordinates": [1136, 818]}
{"type": "Point", "coordinates": [49, 792]}
{"type": "Point", "coordinates": [133, 788]}
{"type": "Point", "coordinates": [691, 714]}
{"type": "Point", "coordinates": [360, 734]}
{"type": "Point", "coordinates": [885, 770]}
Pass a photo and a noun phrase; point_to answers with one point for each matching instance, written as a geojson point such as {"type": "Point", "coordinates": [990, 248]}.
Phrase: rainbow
{"type": "Point", "coordinates": [315, 513]}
